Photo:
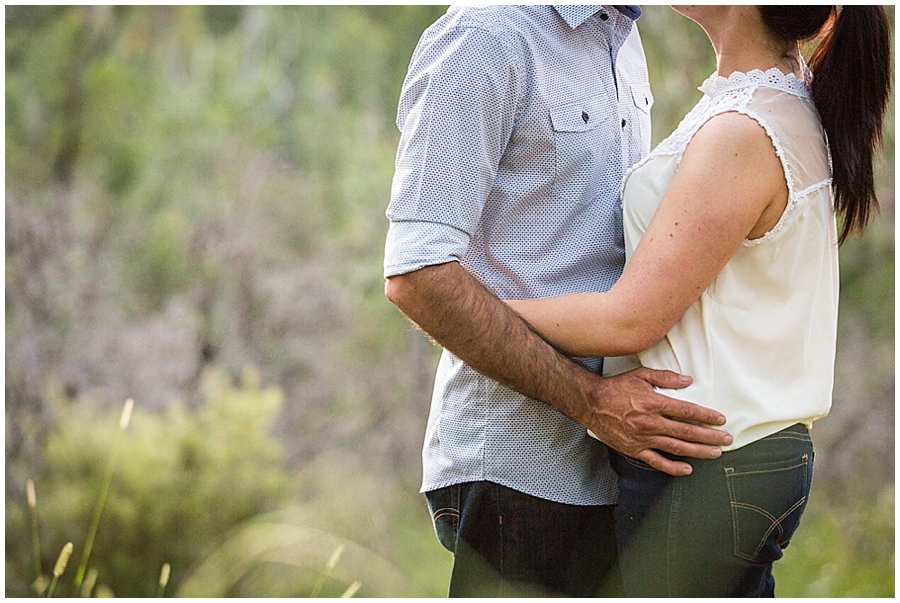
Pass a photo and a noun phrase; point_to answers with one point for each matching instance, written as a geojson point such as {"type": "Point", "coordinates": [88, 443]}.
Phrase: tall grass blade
{"type": "Point", "coordinates": [163, 579]}
{"type": "Point", "coordinates": [35, 536]}
{"type": "Point", "coordinates": [89, 580]}
{"type": "Point", "coordinates": [61, 563]}
{"type": "Point", "coordinates": [104, 592]}
{"type": "Point", "coordinates": [40, 585]}
{"type": "Point", "coordinates": [332, 562]}
{"type": "Point", "coordinates": [104, 491]}
{"type": "Point", "coordinates": [351, 590]}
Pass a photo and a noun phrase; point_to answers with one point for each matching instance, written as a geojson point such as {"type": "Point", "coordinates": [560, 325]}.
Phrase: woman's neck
{"type": "Point", "coordinates": [742, 43]}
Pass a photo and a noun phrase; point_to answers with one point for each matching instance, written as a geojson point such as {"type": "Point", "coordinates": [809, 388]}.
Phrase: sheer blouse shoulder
{"type": "Point", "coordinates": [782, 105]}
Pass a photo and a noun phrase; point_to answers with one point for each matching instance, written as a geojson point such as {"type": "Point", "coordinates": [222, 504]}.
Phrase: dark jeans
{"type": "Point", "coordinates": [509, 544]}
{"type": "Point", "coordinates": [716, 532]}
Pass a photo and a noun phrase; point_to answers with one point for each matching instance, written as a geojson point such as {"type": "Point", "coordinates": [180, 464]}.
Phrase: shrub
{"type": "Point", "coordinates": [182, 479]}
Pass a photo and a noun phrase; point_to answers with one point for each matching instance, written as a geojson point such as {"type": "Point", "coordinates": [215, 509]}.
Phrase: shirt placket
{"type": "Point", "coordinates": [612, 32]}
{"type": "Point", "coordinates": [619, 28]}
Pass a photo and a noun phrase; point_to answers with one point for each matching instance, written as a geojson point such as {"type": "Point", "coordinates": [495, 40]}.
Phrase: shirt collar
{"type": "Point", "coordinates": [576, 14]}
{"type": "Point", "coordinates": [632, 11]}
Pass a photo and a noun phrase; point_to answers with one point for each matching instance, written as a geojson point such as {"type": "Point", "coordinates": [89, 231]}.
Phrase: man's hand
{"type": "Point", "coordinates": [632, 418]}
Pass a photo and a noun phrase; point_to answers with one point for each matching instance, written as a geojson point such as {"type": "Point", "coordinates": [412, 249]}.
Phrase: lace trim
{"type": "Point", "coordinates": [782, 221]}
{"type": "Point", "coordinates": [678, 140]}
{"type": "Point", "coordinates": [772, 78]}
{"type": "Point", "coordinates": [732, 94]}
{"type": "Point", "coordinates": [810, 190]}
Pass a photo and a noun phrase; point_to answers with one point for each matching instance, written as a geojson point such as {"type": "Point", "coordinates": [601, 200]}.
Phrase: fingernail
{"type": "Point", "coordinates": [716, 453]}
{"type": "Point", "coordinates": [684, 378]}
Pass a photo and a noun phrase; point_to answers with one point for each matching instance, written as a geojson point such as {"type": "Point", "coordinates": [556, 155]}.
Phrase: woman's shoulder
{"type": "Point", "coordinates": [722, 119]}
{"type": "Point", "coordinates": [732, 135]}
{"type": "Point", "coordinates": [731, 126]}
{"type": "Point", "coordinates": [789, 120]}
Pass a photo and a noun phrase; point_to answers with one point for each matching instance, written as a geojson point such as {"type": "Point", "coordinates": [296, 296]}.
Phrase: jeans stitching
{"type": "Point", "coordinates": [445, 511]}
{"type": "Point", "coordinates": [448, 517]}
{"type": "Point", "coordinates": [671, 536]}
{"type": "Point", "coordinates": [799, 504]}
{"type": "Point", "coordinates": [776, 522]}
{"type": "Point", "coordinates": [800, 464]}
{"type": "Point", "coordinates": [790, 436]}
{"type": "Point", "coordinates": [735, 526]}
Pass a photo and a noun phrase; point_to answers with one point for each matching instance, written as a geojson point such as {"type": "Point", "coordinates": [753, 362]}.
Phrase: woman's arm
{"type": "Point", "coordinates": [729, 186]}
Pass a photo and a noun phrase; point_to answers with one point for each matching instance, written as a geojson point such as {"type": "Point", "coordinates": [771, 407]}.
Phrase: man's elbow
{"type": "Point", "coordinates": [395, 290]}
{"type": "Point", "coordinates": [420, 287]}
{"type": "Point", "coordinates": [406, 291]}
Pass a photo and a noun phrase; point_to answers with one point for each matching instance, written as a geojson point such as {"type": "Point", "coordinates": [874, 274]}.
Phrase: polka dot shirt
{"type": "Point", "coordinates": [517, 125]}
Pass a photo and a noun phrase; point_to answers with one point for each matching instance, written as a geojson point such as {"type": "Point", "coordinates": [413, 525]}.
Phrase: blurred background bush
{"type": "Point", "coordinates": [195, 204]}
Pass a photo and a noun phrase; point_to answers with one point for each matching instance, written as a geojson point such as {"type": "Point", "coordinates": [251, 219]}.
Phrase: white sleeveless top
{"type": "Point", "coordinates": [760, 341]}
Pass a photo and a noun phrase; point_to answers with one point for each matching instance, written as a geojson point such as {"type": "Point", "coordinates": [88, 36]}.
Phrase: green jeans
{"type": "Point", "coordinates": [716, 532]}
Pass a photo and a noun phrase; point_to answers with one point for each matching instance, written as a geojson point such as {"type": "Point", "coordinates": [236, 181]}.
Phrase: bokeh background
{"type": "Point", "coordinates": [195, 220]}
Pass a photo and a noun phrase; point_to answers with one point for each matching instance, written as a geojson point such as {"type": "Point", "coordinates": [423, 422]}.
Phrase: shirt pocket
{"type": "Point", "coordinates": [642, 99]}
{"type": "Point", "coordinates": [588, 154]}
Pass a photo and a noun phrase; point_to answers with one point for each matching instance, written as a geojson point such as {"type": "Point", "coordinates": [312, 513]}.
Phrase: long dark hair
{"type": "Point", "coordinates": [851, 83]}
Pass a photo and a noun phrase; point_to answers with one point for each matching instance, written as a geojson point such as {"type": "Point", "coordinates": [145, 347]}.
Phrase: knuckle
{"type": "Point", "coordinates": [644, 423]}
{"type": "Point", "coordinates": [681, 448]}
{"type": "Point", "coordinates": [647, 403]}
{"type": "Point", "coordinates": [686, 431]}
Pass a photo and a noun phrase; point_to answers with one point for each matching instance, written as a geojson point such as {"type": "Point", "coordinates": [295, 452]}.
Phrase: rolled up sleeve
{"type": "Point", "coordinates": [411, 246]}
{"type": "Point", "coordinates": [456, 115]}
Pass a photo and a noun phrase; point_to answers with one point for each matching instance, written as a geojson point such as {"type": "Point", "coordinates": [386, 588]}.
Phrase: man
{"type": "Point", "coordinates": [518, 124]}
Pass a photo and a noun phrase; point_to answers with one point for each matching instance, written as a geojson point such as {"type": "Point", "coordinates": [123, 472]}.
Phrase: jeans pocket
{"type": "Point", "coordinates": [637, 463]}
{"type": "Point", "coordinates": [444, 507]}
{"type": "Point", "coordinates": [767, 501]}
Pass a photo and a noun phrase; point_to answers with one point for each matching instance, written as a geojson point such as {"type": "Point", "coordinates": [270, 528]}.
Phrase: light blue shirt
{"type": "Point", "coordinates": [517, 125]}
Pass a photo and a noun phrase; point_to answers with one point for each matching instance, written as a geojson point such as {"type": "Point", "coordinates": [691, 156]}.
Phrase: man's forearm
{"type": "Point", "coordinates": [455, 310]}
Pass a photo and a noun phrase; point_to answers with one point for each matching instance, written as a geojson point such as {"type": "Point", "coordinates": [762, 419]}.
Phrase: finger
{"type": "Point", "coordinates": [691, 433]}
{"type": "Point", "coordinates": [681, 410]}
{"type": "Point", "coordinates": [686, 449]}
{"type": "Point", "coordinates": [661, 463]}
{"type": "Point", "coordinates": [664, 379]}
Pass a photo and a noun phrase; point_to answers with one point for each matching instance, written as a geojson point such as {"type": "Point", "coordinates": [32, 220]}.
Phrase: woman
{"type": "Point", "coordinates": [735, 282]}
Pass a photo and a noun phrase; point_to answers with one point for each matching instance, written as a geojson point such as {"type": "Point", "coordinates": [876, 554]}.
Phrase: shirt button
{"type": "Point", "coordinates": [623, 123]}
{"type": "Point", "coordinates": [604, 16]}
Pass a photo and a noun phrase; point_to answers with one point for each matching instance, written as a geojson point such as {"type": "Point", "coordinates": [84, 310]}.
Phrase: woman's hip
{"type": "Point", "coordinates": [717, 531]}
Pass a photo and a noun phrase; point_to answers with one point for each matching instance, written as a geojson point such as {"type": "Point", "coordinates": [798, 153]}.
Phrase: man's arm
{"type": "Point", "coordinates": [623, 411]}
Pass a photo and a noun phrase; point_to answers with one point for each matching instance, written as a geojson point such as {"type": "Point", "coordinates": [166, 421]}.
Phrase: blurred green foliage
{"type": "Point", "coordinates": [182, 479]}
{"type": "Point", "coordinates": [843, 549]}
{"type": "Point", "coordinates": [193, 191]}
